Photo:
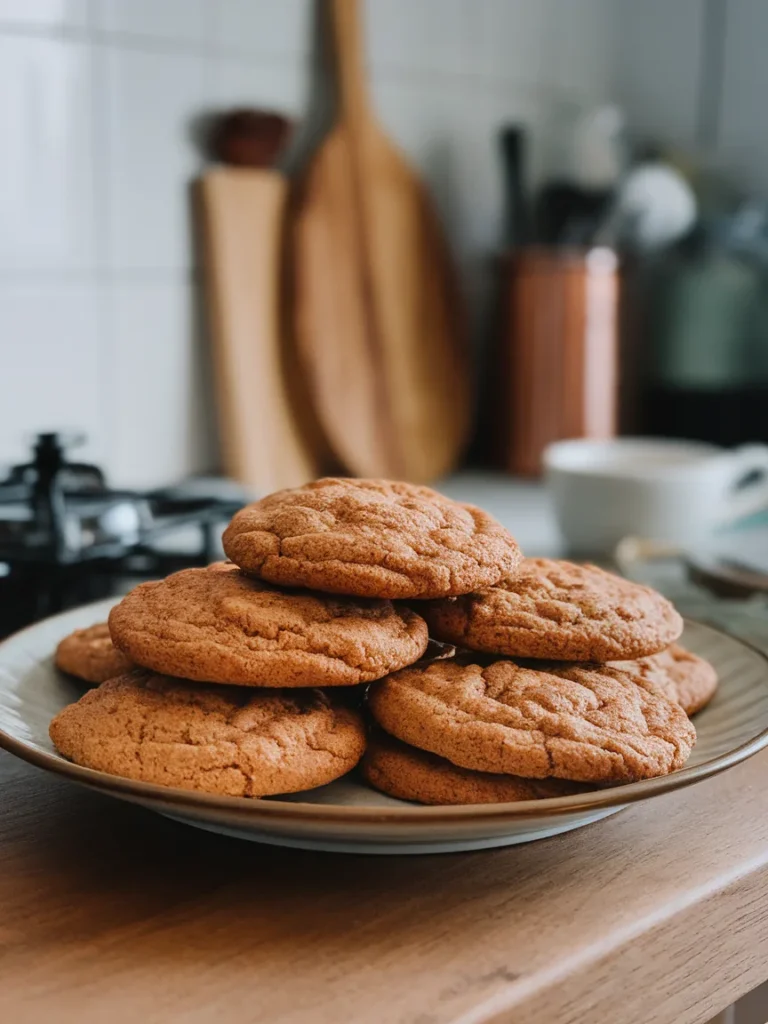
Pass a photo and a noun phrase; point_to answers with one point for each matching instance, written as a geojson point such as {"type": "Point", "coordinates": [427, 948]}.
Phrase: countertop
{"type": "Point", "coordinates": [111, 913]}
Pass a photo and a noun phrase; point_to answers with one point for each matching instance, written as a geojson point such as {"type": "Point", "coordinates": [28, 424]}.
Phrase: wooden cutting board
{"type": "Point", "coordinates": [267, 439]}
{"type": "Point", "coordinates": [378, 320]}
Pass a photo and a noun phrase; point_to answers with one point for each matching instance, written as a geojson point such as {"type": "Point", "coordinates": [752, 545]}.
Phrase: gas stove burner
{"type": "Point", "coordinates": [67, 537]}
{"type": "Point", "coordinates": [59, 511]}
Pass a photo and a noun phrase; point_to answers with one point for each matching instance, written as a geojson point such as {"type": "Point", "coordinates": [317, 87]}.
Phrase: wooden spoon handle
{"type": "Point", "coordinates": [347, 59]}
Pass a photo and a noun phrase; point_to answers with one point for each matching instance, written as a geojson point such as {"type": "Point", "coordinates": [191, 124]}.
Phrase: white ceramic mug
{"type": "Point", "coordinates": [677, 492]}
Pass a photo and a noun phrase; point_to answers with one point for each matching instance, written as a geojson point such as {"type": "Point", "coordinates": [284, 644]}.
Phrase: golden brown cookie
{"type": "Point", "coordinates": [223, 740]}
{"type": "Point", "coordinates": [684, 677]}
{"type": "Point", "coordinates": [589, 723]}
{"type": "Point", "coordinates": [558, 610]}
{"type": "Point", "coordinates": [371, 538]}
{"type": "Point", "coordinates": [410, 774]}
{"type": "Point", "coordinates": [90, 655]}
{"type": "Point", "coordinates": [218, 625]}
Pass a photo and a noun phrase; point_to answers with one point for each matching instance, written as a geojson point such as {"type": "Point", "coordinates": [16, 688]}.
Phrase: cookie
{"type": "Point", "coordinates": [218, 625]}
{"type": "Point", "coordinates": [371, 538]}
{"type": "Point", "coordinates": [684, 677]}
{"type": "Point", "coordinates": [589, 723]}
{"type": "Point", "coordinates": [410, 774]}
{"type": "Point", "coordinates": [90, 655]}
{"type": "Point", "coordinates": [222, 740]}
{"type": "Point", "coordinates": [559, 610]}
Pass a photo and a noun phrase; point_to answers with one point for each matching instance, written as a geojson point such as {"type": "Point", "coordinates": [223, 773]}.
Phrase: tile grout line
{"type": "Point", "coordinates": [48, 276]}
{"type": "Point", "coordinates": [389, 71]}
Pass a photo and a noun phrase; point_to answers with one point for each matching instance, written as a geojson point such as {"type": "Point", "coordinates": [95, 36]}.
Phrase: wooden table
{"type": "Point", "coordinates": [110, 914]}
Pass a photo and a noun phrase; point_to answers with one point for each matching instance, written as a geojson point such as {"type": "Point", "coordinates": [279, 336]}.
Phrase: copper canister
{"type": "Point", "coordinates": [558, 359]}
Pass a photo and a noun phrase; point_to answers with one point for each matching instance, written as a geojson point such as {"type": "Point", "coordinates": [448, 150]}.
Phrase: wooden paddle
{"type": "Point", "coordinates": [379, 324]}
{"type": "Point", "coordinates": [267, 440]}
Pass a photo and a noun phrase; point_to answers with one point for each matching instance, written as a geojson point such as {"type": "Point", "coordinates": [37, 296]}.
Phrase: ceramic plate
{"type": "Point", "coordinates": [346, 815]}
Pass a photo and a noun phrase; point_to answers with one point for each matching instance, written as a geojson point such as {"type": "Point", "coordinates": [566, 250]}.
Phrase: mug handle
{"type": "Point", "coordinates": [752, 498]}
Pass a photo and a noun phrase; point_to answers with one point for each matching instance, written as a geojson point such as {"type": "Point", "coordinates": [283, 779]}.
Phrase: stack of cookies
{"type": "Point", "coordinates": [249, 678]}
{"type": "Point", "coordinates": [567, 676]}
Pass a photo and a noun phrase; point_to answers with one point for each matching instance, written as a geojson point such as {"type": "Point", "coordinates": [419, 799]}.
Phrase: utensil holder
{"type": "Point", "coordinates": [557, 369]}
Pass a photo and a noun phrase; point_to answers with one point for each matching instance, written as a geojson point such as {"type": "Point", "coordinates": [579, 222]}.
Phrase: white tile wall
{"type": "Point", "coordinates": [242, 81]}
{"type": "Point", "coordinates": [280, 28]}
{"type": "Point", "coordinates": [45, 13]}
{"type": "Point", "coordinates": [149, 100]}
{"type": "Point", "coordinates": [159, 382]}
{"type": "Point", "coordinates": [172, 20]}
{"type": "Point", "coordinates": [743, 142]}
{"type": "Point", "coordinates": [508, 39]}
{"type": "Point", "coordinates": [658, 66]}
{"type": "Point", "coordinates": [97, 322]}
{"type": "Point", "coordinates": [418, 36]}
{"type": "Point", "coordinates": [52, 363]}
{"type": "Point", "coordinates": [579, 47]}
{"type": "Point", "coordinates": [46, 170]}
{"type": "Point", "coordinates": [692, 74]}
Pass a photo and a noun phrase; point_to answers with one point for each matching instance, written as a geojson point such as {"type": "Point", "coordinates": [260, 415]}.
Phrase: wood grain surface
{"type": "Point", "coordinates": [378, 321]}
{"type": "Point", "coordinates": [267, 437]}
{"type": "Point", "coordinates": [110, 913]}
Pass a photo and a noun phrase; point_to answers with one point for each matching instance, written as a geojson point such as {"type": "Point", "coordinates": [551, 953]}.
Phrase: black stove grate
{"type": "Point", "coordinates": [67, 538]}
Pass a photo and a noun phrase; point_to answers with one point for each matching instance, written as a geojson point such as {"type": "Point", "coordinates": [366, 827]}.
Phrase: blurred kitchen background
{"type": "Point", "coordinates": [103, 324]}
{"type": "Point", "coordinates": [188, 284]}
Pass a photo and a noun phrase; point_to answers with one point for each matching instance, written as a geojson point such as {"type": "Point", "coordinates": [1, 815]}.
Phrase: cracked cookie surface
{"type": "Point", "coordinates": [559, 610]}
{"type": "Point", "coordinates": [684, 677]}
{"type": "Point", "coordinates": [410, 774]}
{"type": "Point", "coordinates": [229, 741]}
{"type": "Point", "coordinates": [371, 538]}
{"type": "Point", "coordinates": [587, 723]}
{"type": "Point", "coordinates": [90, 655]}
{"type": "Point", "coordinates": [218, 625]}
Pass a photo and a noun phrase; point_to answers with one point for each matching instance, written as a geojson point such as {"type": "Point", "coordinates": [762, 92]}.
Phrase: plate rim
{"type": "Point", "coordinates": [273, 809]}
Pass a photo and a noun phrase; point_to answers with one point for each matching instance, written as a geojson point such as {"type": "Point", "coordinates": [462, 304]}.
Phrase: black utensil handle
{"type": "Point", "coordinates": [516, 224]}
